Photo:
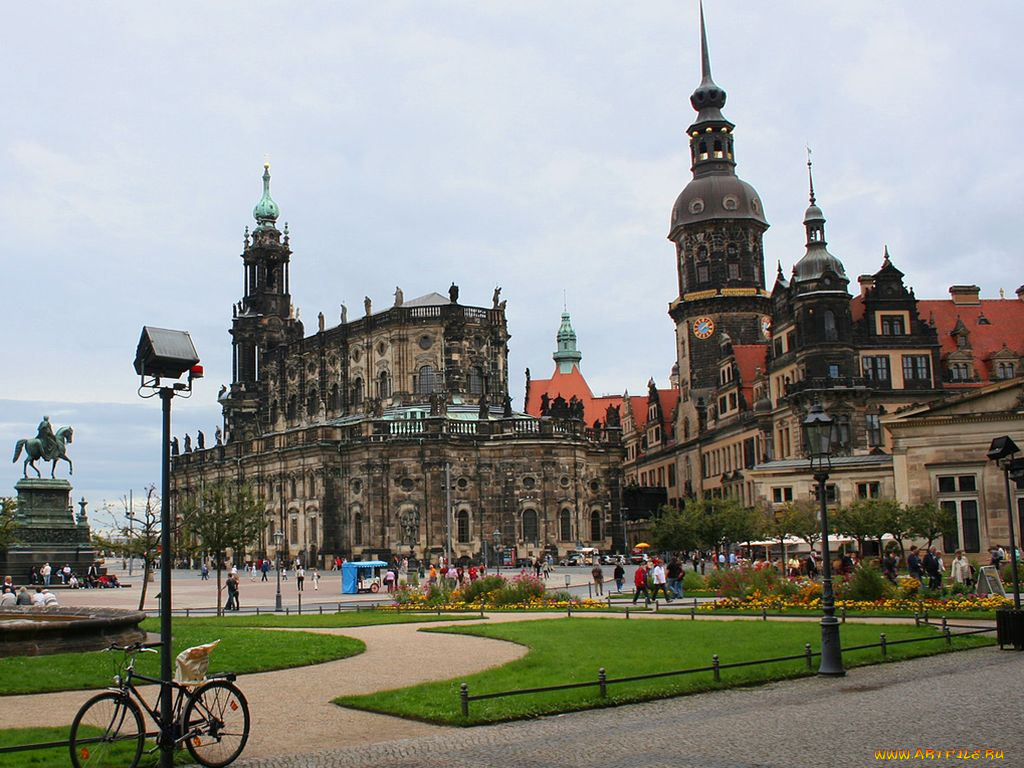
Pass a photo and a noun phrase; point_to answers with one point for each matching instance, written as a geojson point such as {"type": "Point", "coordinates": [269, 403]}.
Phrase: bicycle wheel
{"type": "Point", "coordinates": [215, 724]}
{"type": "Point", "coordinates": [107, 733]}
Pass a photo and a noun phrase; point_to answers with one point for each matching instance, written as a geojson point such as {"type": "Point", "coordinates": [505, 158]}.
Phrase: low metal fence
{"type": "Point", "coordinates": [602, 682]}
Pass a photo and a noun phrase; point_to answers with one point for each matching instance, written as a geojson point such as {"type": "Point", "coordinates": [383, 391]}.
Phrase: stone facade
{"type": "Point", "coordinates": [393, 433]}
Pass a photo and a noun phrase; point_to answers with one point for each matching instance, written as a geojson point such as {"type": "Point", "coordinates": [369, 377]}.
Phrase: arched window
{"type": "Point", "coordinates": [273, 412]}
{"type": "Point", "coordinates": [531, 532]}
{"type": "Point", "coordinates": [476, 381]}
{"type": "Point", "coordinates": [357, 529]}
{"type": "Point", "coordinates": [426, 380]}
{"type": "Point", "coordinates": [294, 489]}
{"type": "Point", "coordinates": [384, 385]}
{"type": "Point", "coordinates": [335, 397]}
{"type": "Point", "coordinates": [564, 525]}
{"type": "Point", "coordinates": [828, 320]}
{"type": "Point", "coordinates": [357, 393]}
{"type": "Point", "coordinates": [462, 526]}
{"type": "Point", "coordinates": [311, 402]}
{"type": "Point", "coordinates": [595, 525]}
{"type": "Point", "coordinates": [293, 405]}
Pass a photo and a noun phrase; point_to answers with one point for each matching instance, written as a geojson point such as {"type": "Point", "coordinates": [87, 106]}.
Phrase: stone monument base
{"type": "Point", "coordinates": [47, 532]}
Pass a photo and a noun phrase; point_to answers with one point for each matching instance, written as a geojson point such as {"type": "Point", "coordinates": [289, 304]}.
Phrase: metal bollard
{"type": "Point", "coordinates": [602, 680]}
{"type": "Point", "coordinates": [764, 613]}
{"type": "Point", "coordinates": [568, 610]}
{"type": "Point", "coordinates": [590, 591]}
{"type": "Point", "coordinates": [186, 613]}
{"type": "Point", "coordinates": [807, 655]}
{"type": "Point", "coordinates": [842, 613]}
{"type": "Point", "coordinates": [464, 699]}
{"type": "Point", "coordinates": [925, 615]}
{"type": "Point", "coordinates": [257, 610]}
{"type": "Point", "coordinates": [286, 610]}
{"type": "Point", "coordinates": [714, 665]}
{"type": "Point", "coordinates": [882, 643]}
{"type": "Point", "coordinates": [944, 624]}
{"type": "Point", "coordinates": [949, 637]}
{"type": "Point", "coordinates": [693, 613]}
{"type": "Point", "coordinates": [321, 610]}
{"type": "Point", "coordinates": [300, 603]}
{"type": "Point", "coordinates": [627, 611]}
{"type": "Point", "coordinates": [917, 619]}
{"type": "Point", "coordinates": [655, 606]}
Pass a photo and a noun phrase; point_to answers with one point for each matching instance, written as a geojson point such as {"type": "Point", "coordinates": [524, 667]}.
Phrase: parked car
{"type": "Point", "coordinates": [572, 560]}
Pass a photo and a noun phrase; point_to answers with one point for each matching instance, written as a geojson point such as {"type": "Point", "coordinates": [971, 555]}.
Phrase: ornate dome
{"type": "Point", "coordinates": [266, 210]}
{"type": "Point", "coordinates": [815, 263]}
{"type": "Point", "coordinates": [717, 197]}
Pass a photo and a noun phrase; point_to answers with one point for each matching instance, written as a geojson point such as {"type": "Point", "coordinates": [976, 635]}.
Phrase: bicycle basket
{"type": "Point", "coordinates": [192, 663]}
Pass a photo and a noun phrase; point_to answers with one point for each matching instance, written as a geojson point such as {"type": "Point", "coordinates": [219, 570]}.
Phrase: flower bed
{"type": "Point", "coordinates": [956, 604]}
{"type": "Point", "coordinates": [523, 592]}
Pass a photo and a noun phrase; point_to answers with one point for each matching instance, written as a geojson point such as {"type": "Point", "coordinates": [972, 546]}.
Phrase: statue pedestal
{"type": "Point", "coordinates": [47, 532]}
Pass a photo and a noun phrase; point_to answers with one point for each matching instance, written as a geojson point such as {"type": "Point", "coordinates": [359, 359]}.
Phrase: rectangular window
{"type": "Point", "coordinates": [703, 274]}
{"type": "Point", "coordinates": [868, 490]}
{"type": "Point", "coordinates": [734, 270]}
{"type": "Point", "coordinates": [777, 346]}
{"type": "Point", "coordinates": [782, 494]}
{"type": "Point", "coordinates": [873, 426]}
{"type": "Point", "coordinates": [964, 530]}
{"type": "Point", "coordinates": [916, 368]}
{"type": "Point", "coordinates": [892, 325]}
{"type": "Point", "coordinates": [672, 475]}
{"type": "Point", "coordinates": [831, 494]}
{"type": "Point", "coordinates": [876, 368]}
{"type": "Point", "coordinates": [833, 370]}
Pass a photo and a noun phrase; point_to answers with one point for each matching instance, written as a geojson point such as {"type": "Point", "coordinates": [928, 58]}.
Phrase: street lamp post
{"type": "Point", "coordinates": [817, 429]}
{"type": "Point", "coordinates": [497, 547]}
{"type": "Point", "coordinates": [1002, 451]}
{"type": "Point", "coordinates": [278, 538]}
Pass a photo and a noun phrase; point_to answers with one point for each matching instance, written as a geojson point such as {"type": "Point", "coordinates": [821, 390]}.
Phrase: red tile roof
{"type": "Point", "coordinates": [569, 385]}
{"type": "Point", "coordinates": [1005, 326]}
{"type": "Point", "coordinates": [750, 358]}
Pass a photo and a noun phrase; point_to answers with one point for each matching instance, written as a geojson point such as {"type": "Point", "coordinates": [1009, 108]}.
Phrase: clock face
{"type": "Point", "coordinates": [766, 327]}
{"type": "Point", "coordinates": [703, 327]}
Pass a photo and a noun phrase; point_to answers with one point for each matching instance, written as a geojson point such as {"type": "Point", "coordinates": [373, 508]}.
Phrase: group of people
{"type": "Point", "coordinates": [46, 576]}
{"type": "Point", "coordinates": [454, 575]}
{"type": "Point", "coordinates": [10, 595]}
{"type": "Point", "coordinates": [653, 577]}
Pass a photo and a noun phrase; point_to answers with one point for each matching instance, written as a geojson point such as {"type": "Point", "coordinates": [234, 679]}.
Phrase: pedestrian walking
{"type": "Point", "coordinates": [640, 584]}
{"type": "Point", "coordinates": [265, 569]}
{"type": "Point", "coordinates": [300, 578]}
{"type": "Point", "coordinates": [659, 579]}
{"type": "Point", "coordinates": [619, 574]}
{"type": "Point", "coordinates": [315, 576]}
{"type": "Point", "coordinates": [598, 575]}
{"type": "Point", "coordinates": [674, 575]}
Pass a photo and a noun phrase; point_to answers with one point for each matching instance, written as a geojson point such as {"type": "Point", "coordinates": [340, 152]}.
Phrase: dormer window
{"type": "Point", "coordinates": [1005, 370]}
{"type": "Point", "coordinates": [893, 325]}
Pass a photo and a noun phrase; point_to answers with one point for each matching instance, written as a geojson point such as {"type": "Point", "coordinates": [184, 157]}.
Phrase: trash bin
{"type": "Point", "coordinates": [1010, 628]}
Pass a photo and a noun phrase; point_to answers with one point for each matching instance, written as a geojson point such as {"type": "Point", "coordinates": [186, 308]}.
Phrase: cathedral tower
{"type": "Point", "coordinates": [717, 227]}
{"type": "Point", "coordinates": [262, 320]}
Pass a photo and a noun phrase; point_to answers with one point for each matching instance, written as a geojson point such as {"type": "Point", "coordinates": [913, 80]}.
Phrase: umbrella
{"type": "Point", "coordinates": [641, 545]}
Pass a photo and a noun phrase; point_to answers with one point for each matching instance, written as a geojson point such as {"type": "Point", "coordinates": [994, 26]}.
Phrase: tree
{"type": "Point", "coordinates": [802, 521]}
{"type": "Point", "coordinates": [140, 537]}
{"type": "Point", "coordinates": [929, 521]}
{"type": "Point", "coordinates": [224, 516]}
{"type": "Point", "coordinates": [719, 522]}
{"type": "Point", "coordinates": [8, 526]}
{"type": "Point", "coordinates": [675, 530]}
{"type": "Point", "coordinates": [863, 519]}
{"type": "Point", "coordinates": [897, 523]}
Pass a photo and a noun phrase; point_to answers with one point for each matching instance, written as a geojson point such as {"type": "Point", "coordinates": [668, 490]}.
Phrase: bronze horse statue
{"type": "Point", "coordinates": [34, 451]}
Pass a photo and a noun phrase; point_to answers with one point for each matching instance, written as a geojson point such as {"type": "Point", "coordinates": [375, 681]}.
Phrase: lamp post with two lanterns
{"type": "Point", "coordinates": [278, 538]}
{"type": "Point", "coordinates": [817, 428]}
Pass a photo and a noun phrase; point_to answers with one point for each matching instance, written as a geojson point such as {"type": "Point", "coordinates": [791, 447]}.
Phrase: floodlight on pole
{"type": "Point", "coordinates": [162, 357]}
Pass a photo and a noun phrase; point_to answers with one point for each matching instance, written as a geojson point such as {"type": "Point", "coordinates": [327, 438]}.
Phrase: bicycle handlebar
{"type": "Point", "coordinates": [133, 648]}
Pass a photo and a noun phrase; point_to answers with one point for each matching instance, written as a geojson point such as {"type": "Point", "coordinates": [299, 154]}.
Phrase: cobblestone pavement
{"type": "Point", "coordinates": [971, 699]}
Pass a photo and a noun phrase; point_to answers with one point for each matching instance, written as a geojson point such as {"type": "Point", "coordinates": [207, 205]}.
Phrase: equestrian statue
{"type": "Point", "coordinates": [46, 445]}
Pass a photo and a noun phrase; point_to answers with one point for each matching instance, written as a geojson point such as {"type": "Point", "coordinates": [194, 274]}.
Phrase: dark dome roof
{"type": "Point", "coordinates": [815, 263]}
{"type": "Point", "coordinates": [717, 196]}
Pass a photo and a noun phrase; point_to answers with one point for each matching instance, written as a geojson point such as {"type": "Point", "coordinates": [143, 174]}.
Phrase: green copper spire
{"type": "Point", "coordinates": [266, 210]}
{"type": "Point", "coordinates": [567, 356]}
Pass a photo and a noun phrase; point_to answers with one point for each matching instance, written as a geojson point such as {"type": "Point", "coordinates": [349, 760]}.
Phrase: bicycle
{"type": "Point", "coordinates": [211, 721]}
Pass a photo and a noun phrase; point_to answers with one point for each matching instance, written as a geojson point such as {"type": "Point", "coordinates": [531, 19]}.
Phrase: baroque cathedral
{"type": "Point", "coordinates": [393, 433]}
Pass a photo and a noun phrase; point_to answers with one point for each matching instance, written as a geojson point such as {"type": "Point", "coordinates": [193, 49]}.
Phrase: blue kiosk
{"type": "Point", "coordinates": [362, 576]}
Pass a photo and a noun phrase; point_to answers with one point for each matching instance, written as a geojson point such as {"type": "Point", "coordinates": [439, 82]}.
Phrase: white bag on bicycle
{"type": "Point", "coordinates": [193, 662]}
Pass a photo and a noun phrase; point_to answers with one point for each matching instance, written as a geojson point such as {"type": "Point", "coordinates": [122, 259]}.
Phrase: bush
{"type": "Point", "coordinates": [523, 589]}
{"type": "Point", "coordinates": [483, 589]}
{"type": "Point", "coordinates": [867, 583]}
{"type": "Point", "coordinates": [744, 582]}
{"type": "Point", "coordinates": [692, 582]}
{"type": "Point", "coordinates": [907, 586]}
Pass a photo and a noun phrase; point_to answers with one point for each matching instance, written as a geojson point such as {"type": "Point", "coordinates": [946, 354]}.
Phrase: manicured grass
{"type": "Point", "coordinates": [242, 650]}
{"type": "Point", "coordinates": [571, 650]}
{"type": "Point", "coordinates": [58, 756]}
{"type": "Point", "coordinates": [331, 620]}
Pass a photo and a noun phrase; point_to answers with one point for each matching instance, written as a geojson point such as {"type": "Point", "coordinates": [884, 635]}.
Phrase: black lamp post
{"type": "Point", "coordinates": [817, 429]}
{"type": "Point", "coordinates": [162, 357]}
{"type": "Point", "coordinates": [1002, 451]}
{"type": "Point", "coordinates": [497, 547]}
{"type": "Point", "coordinates": [278, 538]}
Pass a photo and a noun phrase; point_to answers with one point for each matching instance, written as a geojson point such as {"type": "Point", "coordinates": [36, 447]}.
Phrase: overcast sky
{"type": "Point", "coordinates": [538, 146]}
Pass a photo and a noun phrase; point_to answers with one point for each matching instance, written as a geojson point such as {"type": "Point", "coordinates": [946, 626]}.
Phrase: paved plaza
{"type": "Point", "coordinates": [965, 700]}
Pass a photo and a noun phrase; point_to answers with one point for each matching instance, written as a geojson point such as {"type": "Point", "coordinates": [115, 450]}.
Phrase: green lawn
{"type": "Point", "coordinates": [58, 756]}
{"type": "Point", "coordinates": [571, 650]}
